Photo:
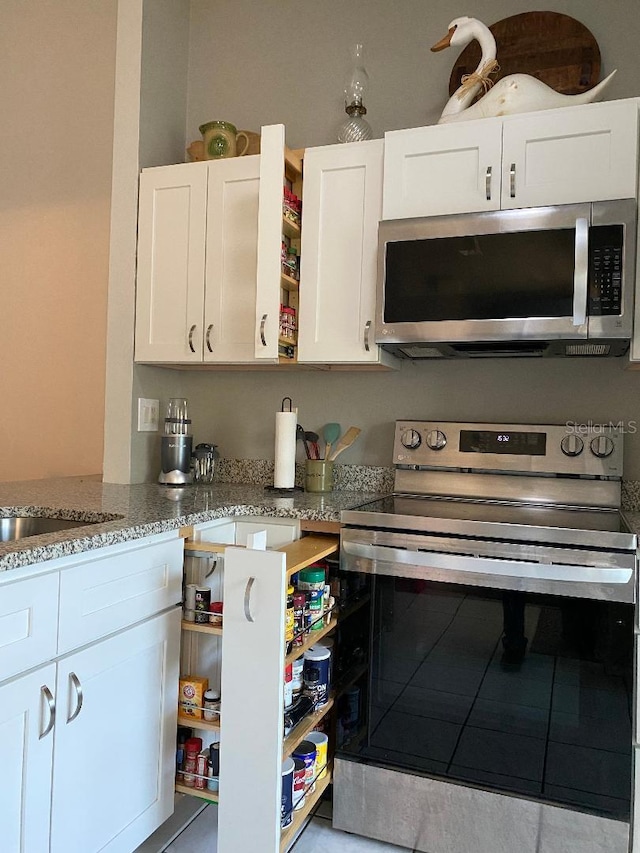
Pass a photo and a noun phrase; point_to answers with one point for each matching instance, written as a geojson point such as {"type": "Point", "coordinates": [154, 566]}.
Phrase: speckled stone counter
{"type": "Point", "coordinates": [117, 513]}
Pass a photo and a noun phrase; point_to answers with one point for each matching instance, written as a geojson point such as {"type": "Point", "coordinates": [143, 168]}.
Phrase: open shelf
{"type": "Point", "coordinates": [201, 628]}
{"type": "Point", "coordinates": [306, 551]}
{"type": "Point", "coordinates": [288, 283]}
{"type": "Point", "coordinates": [307, 724]}
{"type": "Point", "coordinates": [299, 817]}
{"type": "Point", "coordinates": [291, 229]}
{"type": "Point", "coordinates": [311, 640]}
{"type": "Point", "coordinates": [197, 723]}
{"type": "Point", "coordinates": [201, 793]}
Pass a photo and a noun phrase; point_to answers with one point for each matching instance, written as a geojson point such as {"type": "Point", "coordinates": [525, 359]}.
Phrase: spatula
{"type": "Point", "coordinates": [346, 441]}
{"type": "Point", "coordinates": [330, 434]}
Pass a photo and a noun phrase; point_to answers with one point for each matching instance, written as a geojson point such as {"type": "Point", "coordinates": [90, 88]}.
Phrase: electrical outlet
{"type": "Point", "coordinates": [148, 415]}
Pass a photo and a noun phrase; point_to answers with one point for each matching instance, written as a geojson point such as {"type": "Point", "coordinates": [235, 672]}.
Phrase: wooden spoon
{"type": "Point", "coordinates": [346, 441]}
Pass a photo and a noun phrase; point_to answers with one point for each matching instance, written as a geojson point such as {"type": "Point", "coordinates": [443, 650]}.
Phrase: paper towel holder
{"type": "Point", "coordinates": [285, 406]}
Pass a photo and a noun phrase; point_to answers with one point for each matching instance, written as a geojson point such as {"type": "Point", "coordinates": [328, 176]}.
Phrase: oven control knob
{"type": "Point", "coordinates": [572, 445]}
{"type": "Point", "coordinates": [602, 446]}
{"type": "Point", "coordinates": [436, 439]}
{"type": "Point", "coordinates": [411, 439]}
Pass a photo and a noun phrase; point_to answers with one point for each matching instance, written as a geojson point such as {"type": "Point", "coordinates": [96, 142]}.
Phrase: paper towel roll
{"type": "Point", "coordinates": [284, 473]}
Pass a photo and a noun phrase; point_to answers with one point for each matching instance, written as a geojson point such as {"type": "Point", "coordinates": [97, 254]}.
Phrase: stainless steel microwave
{"type": "Point", "coordinates": [528, 282]}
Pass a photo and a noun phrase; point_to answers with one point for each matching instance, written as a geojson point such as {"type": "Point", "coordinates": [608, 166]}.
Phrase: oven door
{"type": "Point", "coordinates": [484, 693]}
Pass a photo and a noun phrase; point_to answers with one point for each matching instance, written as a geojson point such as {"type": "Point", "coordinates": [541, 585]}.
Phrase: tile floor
{"type": "Point", "coordinates": [318, 837]}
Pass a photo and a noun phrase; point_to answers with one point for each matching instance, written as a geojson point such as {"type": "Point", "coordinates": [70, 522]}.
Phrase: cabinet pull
{"type": "Point", "coordinates": [48, 696]}
{"type": "Point", "coordinates": [367, 328]}
{"type": "Point", "coordinates": [191, 331]}
{"type": "Point", "coordinates": [208, 337]}
{"type": "Point", "coordinates": [512, 180]}
{"type": "Point", "coordinates": [75, 681]}
{"type": "Point", "coordinates": [262, 325]}
{"type": "Point", "coordinates": [247, 600]}
{"type": "Point", "coordinates": [487, 183]}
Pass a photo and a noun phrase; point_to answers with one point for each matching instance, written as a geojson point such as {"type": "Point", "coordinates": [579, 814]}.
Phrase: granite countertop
{"type": "Point", "coordinates": [118, 513]}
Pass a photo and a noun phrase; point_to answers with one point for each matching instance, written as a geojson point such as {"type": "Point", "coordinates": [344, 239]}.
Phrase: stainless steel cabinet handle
{"type": "Point", "coordinates": [191, 331]}
{"type": "Point", "coordinates": [48, 696]}
{"type": "Point", "coordinates": [208, 337]}
{"type": "Point", "coordinates": [367, 328]}
{"type": "Point", "coordinates": [247, 600]}
{"type": "Point", "coordinates": [262, 325]}
{"type": "Point", "coordinates": [75, 681]}
{"type": "Point", "coordinates": [512, 180]}
{"type": "Point", "coordinates": [487, 183]}
{"type": "Point", "coordinates": [581, 272]}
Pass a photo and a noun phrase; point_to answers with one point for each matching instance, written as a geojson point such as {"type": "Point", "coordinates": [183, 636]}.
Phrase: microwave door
{"type": "Point", "coordinates": [505, 276]}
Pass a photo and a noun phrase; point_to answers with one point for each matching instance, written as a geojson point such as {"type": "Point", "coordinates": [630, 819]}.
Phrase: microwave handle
{"type": "Point", "coordinates": [581, 272]}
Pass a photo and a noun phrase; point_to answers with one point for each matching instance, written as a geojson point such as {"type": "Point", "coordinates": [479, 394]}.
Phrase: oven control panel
{"type": "Point", "coordinates": [580, 449]}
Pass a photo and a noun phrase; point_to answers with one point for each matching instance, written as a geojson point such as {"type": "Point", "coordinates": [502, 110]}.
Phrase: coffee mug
{"type": "Point", "coordinates": [221, 140]}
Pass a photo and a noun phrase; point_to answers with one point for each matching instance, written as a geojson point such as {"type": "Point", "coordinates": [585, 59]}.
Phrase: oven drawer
{"type": "Point", "coordinates": [607, 576]}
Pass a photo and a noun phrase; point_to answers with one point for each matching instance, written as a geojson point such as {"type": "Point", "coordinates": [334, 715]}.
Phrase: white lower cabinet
{"type": "Point", "coordinates": [26, 755]}
{"type": "Point", "coordinates": [87, 737]}
{"type": "Point", "coordinates": [113, 774]}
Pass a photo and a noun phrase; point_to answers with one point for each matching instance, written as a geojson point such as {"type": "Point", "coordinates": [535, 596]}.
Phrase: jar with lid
{"type": "Point", "coordinates": [211, 706]}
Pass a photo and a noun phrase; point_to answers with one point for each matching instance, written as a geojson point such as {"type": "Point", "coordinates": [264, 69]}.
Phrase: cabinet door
{"type": "Point", "coordinates": [342, 206]}
{"type": "Point", "coordinates": [267, 319]}
{"type": "Point", "coordinates": [232, 257]}
{"type": "Point", "coordinates": [26, 753]}
{"type": "Point", "coordinates": [171, 257]}
{"type": "Point", "coordinates": [440, 169]}
{"type": "Point", "coordinates": [252, 701]}
{"type": "Point", "coordinates": [583, 153]}
{"type": "Point", "coordinates": [113, 777]}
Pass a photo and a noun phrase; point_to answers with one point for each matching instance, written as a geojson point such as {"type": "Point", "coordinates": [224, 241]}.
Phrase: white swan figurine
{"type": "Point", "coordinates": [517, 93]}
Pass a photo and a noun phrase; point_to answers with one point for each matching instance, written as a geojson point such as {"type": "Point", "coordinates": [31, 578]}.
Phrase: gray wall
{"type": "Point", "coordinates": [256, 63]}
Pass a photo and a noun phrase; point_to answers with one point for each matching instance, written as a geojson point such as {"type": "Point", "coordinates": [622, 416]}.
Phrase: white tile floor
{"type": "Point", "coordinates": [318, 837]}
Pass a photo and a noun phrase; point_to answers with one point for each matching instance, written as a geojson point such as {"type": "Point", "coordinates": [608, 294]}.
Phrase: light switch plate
{"type": "Point", "coordinates": [148, 415]}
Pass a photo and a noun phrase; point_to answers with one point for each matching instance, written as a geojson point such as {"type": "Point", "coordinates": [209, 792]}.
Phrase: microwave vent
{"type": "Point", "coordinates": [587, 349]}
{"type": "Point", "coordinates": [421, 352]}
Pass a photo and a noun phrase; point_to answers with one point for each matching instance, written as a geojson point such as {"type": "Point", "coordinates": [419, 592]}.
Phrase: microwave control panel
{"type": "Point", "coordinates": [605, 270]}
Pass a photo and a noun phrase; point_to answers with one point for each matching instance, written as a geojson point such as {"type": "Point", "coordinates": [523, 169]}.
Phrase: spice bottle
{"type": "Point", "coordinates": [191, 749]}
{"type": "Point", "coordinates": [289, 622]}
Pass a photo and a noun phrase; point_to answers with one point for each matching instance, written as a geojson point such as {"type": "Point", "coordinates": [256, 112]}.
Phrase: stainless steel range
{"type": "Point", "coordinates": [497, 714]}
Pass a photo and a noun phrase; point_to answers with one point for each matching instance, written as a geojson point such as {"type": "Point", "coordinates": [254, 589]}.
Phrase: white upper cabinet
{"type": "Point", "coordinates": [342, 205]}
{"type": "Point", "coordinates": [574, 154]}
{"type": "Point", "coordinates": [209, 239]}
{"type": "Point", "coordinates": [232, 257]}
{"type": "Point", "coordinates": [442, 169]}
{"type": "Point", "coordinates": [171, 257]}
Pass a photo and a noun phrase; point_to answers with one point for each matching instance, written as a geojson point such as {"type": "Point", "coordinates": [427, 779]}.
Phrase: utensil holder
{"type": "Point", "coordinates": [318, 475]}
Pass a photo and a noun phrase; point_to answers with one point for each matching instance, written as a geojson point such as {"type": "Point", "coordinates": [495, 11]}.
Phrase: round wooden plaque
{"type": "Point", "coordinates": [553, 47]}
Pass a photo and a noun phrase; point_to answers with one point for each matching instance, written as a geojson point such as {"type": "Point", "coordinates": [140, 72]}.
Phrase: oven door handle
{"type": "Point", "coordinates": [392, 561]}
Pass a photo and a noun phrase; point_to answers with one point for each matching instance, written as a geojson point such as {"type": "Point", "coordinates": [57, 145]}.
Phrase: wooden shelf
{"type": "Point", "coordinates": [306, 551]}
{"type": "Point", "coordinates": [307, 724]}
{"type": "Point", "coordinates": [311, 640]}
{"type": "Point", "coordinates": [202, 548]}
{"type": "Point", "coordinates": [198, 723]}
{"type": "Point", "coordinates": [201, 793]}
{"type": "Point", "coordinates": [288, 283]}
{"type": "Point", "coordinates": [290, 229]}
{"type": "Point", "coordinates": [199, 628]}
{"type": "Point", "coordinates": [350, 678]}
{"type": "Point", "coordinates": [293, 163]}
{"type": "Point", "coordinates": [299, 817]}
